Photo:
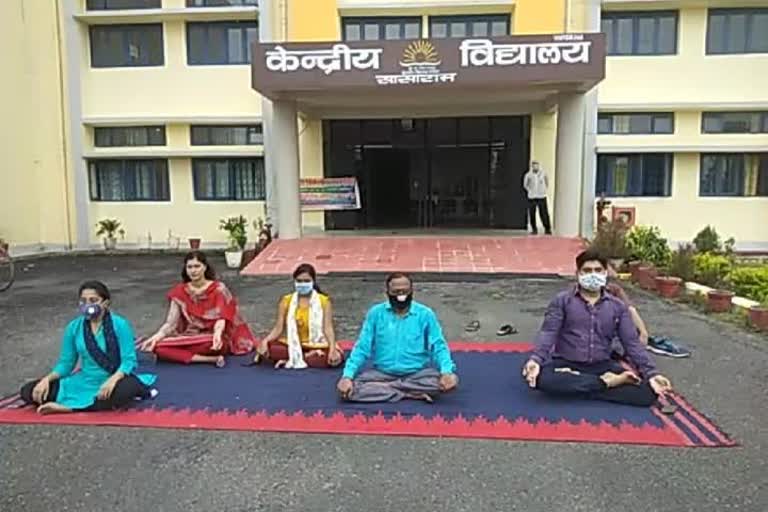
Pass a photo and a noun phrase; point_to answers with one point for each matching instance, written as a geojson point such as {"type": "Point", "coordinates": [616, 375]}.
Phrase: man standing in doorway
{"type": "Point", "coordinates": [536, 184]}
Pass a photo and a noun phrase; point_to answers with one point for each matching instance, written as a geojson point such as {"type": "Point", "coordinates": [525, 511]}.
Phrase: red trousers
{"type": "Point", "coordinates": [278, 351]}
{"type": "Point", "coordinates": [183, 352]}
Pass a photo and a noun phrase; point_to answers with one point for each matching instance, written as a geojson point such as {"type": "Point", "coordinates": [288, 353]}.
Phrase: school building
{"type": "Point", "coordinates": [169, 115]}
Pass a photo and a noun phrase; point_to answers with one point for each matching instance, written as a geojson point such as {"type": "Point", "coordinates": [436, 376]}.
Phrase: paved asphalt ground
{"type": "Point", "coordinates": [119, 469]}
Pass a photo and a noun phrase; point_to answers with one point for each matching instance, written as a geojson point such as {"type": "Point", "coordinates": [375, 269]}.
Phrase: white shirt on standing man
{"type": "Point", "coordinates": [535, 182]}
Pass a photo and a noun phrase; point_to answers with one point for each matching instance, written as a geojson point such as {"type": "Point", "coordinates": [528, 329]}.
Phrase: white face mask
{"type": "Point", "coordinates": [594, 281]}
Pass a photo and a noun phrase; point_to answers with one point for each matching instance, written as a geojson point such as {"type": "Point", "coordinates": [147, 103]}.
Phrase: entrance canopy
{"type": "Point", "coordinates": [377, 77]}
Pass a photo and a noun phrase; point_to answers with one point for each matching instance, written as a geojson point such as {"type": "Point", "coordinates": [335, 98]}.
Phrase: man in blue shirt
{"type": "Point", "coordinates": [404, 340]}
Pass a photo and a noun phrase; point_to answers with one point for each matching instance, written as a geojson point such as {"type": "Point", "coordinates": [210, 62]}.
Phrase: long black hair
{"type": "Point", "coordinates": [306, 268]}
{"type": "Point", "coordinates": [210, 273]}
{"type": "Point", "coordinates": [109, 358]}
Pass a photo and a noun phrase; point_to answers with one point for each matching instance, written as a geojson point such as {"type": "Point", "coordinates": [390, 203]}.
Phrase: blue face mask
{"type": "Point", "coordinates": [304, 288]}
{"type": "Point", "coordinates": [90, 311]}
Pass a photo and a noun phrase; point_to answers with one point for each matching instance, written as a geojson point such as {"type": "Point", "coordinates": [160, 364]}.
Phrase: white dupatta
{"type": "Point", "coordinates": [295, 354]}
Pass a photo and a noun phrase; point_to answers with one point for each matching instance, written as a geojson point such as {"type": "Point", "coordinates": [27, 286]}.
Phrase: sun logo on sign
{"type": "Point", "coordinates": [420, 53]}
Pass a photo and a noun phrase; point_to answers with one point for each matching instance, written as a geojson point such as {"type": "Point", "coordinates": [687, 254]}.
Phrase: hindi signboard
{"type": "Point", "coordinates": [319, 194]}
{"type": "Point", "coordinates": [479, 62]}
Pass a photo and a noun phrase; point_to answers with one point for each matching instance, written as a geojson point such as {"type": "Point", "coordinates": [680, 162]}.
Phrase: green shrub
{"type": "Point", "coordinates": [682, 264]}
{"type": "Point", "coordinates": [236, 229]}
{"type": "Point", "coordinates": [750, 282]}
{"type": "Point", "coordinates": [707, 240]}
{"type": "Point", "coordinates": [711, 269]}
{"type": "Point", "coordinates": [645, 243]}
{"type": "Point", "coordinates": [610, 240]}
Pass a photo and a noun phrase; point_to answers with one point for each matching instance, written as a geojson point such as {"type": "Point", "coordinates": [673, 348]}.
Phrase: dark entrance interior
{"type": "Point", "coordinates": [431, 173]}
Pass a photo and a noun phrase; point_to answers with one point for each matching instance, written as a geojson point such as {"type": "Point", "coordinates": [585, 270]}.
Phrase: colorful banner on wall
{"type": "Point", "coordinates": [329, 194]}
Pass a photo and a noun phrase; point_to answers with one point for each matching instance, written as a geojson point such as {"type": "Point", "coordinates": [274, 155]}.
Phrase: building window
{"type": "Point", "coordinates": [737, 31]}
{"type": "Point", "coordinates": [104, 5]}
{"type": "Point", "coordinates": [636, 175]}
{"type": "Point", "coordinates": [220, 42]}
{"type": "Point", "coordinates": [114, 46]}
{"type": "Point", "coordinates": [129, 180]}
{"type": "Point", "coordinates": [379, 28]}
{"type": "Point", "coordinates": [640, 33]}
{"type": "Point", "coordinates": [229, 179]}
{"type": "Point", "coordinates": [468, 26]}
{"type": "Point", "coordinates": [226, 135]}
{"type": "Point", "coordinates": [637, 123]}
{"type": "Point", "coordinates": [734, 122]}
{"type": "Point", "coordinates": [735, 175]}
{"type": "Point", "coordinates": [129, 136]}
{"type": "Point", "coordinates": [221, 3]}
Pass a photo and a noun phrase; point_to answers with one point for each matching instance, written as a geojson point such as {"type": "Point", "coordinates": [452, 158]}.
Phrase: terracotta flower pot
{"type": "Point", "coordinates": [758, 316]}
{"type": "Point", "coordinates": [194, 243]}
{"type": "Point", "coordinates": [646, 277]}
{"type": "Point", "coordinates": [719, 301]}
{"type": "Point", "coordinates": [633, 266]}
{"type": "Point", "coordinates": [668, 287]}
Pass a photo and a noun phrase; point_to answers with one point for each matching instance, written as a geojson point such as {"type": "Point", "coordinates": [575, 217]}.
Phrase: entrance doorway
{"type": "Point", "coordinates": [431, 173]}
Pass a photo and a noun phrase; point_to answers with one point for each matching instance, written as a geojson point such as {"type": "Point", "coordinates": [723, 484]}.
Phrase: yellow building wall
{"type": "Point", "coordinates": [33, 179]}
{"type": "Point", "coordinates": [311, 158]}
{"type": "Point", "coordinates": [174, 89]}
{"type": "Point", "coordinates": [539, 17]}
{"type": "Point", "coordinates": [313, 20]}
{"type": "Point", "coordinates": [681, 216]}
{"type": "Point", "coordinates": [689, 77]}
{"type": "Point", "coordinates": [180, 218]}
{"type": "Point", "coordinates": [543, 149]}
{"type": "Point", "coordinates": [687, 133]}
{"type": "Point", "coordinates": [686, 80]}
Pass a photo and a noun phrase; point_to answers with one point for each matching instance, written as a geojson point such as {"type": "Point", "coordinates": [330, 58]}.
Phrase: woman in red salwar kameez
{"type": "Point", "coordinates": [204, 322]}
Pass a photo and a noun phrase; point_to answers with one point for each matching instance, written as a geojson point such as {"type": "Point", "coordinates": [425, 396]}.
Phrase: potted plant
{"type": "Point", "coordinates": [645, 244]}
{"type": "Point", "coordinates": [679, 269]}
{"type": "Point", "coordinates": [610, 241]}
{"type": "Point", "coordinates": [194, 243]}
{"type": "Point", "coordinates": [758, 316]}
{"type": "Point", "coordinates": [108, 228]}
{"type": "Point", "coordinates": [236, 239]}
{"type": "Point", "coordinates": [719, 301]}
{"type": "Point", "coordinates": [646, 277]}
{"type": "Point", "coordinates": [668, 286]}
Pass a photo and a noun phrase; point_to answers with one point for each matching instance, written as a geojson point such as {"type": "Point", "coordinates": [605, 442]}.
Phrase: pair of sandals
{"type": "Point", "coordinates": [504, 330]}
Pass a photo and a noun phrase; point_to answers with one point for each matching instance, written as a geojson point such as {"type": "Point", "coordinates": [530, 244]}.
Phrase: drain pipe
{"type": "Point", "coordinates": [589, 155]}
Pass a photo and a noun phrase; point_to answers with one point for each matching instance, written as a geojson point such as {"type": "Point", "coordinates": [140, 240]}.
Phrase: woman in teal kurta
{"type": "Point", "coordinates": [103, 342]}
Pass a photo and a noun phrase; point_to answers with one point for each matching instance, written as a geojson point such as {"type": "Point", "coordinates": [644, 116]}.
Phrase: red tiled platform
{"type": "Point", "coordinates": [515, 255]}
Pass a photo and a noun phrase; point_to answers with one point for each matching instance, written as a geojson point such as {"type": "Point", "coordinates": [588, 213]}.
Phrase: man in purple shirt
{"type": "Point", "coordinates": [573, 349]}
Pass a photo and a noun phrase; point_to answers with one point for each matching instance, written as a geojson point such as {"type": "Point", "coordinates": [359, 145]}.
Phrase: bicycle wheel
{"type": "Point", "coordinates": [6, 273]}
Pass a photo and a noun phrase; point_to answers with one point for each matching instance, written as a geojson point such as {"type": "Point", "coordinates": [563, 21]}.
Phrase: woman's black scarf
{"type": "Point", "coordinates": [108, 360]}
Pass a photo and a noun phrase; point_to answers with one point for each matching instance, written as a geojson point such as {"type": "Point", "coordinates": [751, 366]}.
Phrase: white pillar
{"type": "Point", "coordinates": [285, 150]}
{"type": "Point", "coordinates": [590, 137]}
{"type": "Point", "coordinates": [265, 36]}
{"type": "Point", "coordinates": [73, 42]}
{"type": "Point", "coordinates": [568, 173]}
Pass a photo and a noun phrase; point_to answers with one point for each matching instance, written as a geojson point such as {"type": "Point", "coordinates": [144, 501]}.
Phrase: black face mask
{"type": "Point", "coordinates": [401, 302]}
